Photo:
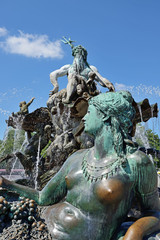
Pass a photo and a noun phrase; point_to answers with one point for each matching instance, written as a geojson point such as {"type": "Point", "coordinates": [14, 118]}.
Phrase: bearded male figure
{"type": "Point", "coordinates": [80, 72]}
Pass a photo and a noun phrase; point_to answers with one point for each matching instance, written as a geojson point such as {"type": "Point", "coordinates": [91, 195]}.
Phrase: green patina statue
{"type": "Point", "coordinates": [94, 190]}
{"type": "Point", "coordinates": [24, 106]}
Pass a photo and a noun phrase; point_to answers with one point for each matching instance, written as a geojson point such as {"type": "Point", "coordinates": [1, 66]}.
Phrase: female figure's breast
{"type": "Point", "coordinates": [110, 191]}
{"type": "Point", "coordinates": [101, 194]}
{"type": "Point", "coordinates": [88, 208]}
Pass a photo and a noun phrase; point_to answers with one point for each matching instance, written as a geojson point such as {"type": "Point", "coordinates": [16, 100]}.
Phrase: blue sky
{"type": "Point", "coordinates": [122, 38]}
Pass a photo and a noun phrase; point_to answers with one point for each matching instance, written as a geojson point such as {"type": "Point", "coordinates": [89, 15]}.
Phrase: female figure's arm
{"type": "Point", "coordinates": [54, 191]}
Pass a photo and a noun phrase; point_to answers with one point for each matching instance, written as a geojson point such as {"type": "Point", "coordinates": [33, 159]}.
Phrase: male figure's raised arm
{"type": "Point", "coordinates": [29, 103]}
{"type": "Point", "coordinates": [104, 82]}
{"type": "Point", "coordinates": [55, 75]}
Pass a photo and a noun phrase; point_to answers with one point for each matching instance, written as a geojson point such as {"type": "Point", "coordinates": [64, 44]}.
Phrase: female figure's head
{"type": "Point", "coordinates": [112, 109]}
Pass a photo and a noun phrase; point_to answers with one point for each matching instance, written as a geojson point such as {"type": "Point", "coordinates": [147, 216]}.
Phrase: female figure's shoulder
{"type": "Point", "coordinates": [139, 159]}
{"type": "Point", "coordinates": [76, 156]}
{"type": "Point", "coordinates": [143, 172]}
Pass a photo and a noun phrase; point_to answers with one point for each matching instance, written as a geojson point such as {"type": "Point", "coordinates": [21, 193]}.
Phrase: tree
{"type": "Point", "coordinates": [13, 141]}
{"type": "Point", "coordinates": [154, 140]}
{"type": "Point", "coordinates": [148, 139]}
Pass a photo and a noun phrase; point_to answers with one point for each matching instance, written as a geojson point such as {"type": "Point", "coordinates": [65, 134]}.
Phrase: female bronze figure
{"type": "Point", "coordinates": [94, 190]}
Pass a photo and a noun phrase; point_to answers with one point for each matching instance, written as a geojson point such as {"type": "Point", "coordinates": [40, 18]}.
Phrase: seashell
{"type": "Point", "coordinates": [20, 208]}
{"type": "Point", "coordinates": [30, 218]}
{"type": "Point", "coordinates": [34, 224]}
{"type": "Point", "coordinates": [24, 206]}
{"type": "Point", "coordinates": [42, 225]}
{"type": "Point", "coordinates": [40, 228]}
{"type": "Point", "coordinates": [31, 209]}
{"type": "Point", "coordinates": [39, 223]}
{"type": "Point", "coordinates": [5, 202]}
{"type": "Point", "coordinates": [21, 198]}
{"type": "Point", "coordinates": [18, 205]}
{"type": "Point", "coordinates": [4, 209]}
{"type": "Point", "coordinates": [12, 209]}
{"type": "Point", "coordinates": [16, 212]}
{"type": "Point", "coordinates": [15, 217]}
{"type": "Point", "coordinates": [31, 205]}
{"type": "Point", "coordinates": [1, 199]}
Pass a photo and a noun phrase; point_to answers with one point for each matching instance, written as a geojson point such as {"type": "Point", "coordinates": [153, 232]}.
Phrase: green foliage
{"type": "Point", "coordinates": [153, 139]}
{"type": "Point", "coordinates": [7, 144]}
{"type": "Point", "coordinates": [12, 142]}
{"type": "Point", "coordinates": [44, 150]}
{"type": "Point", "coordinates": [154, 142]}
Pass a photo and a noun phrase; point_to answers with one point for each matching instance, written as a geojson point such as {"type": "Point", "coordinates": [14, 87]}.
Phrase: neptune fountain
{"type": "Point", "coordinates": [105, 174]}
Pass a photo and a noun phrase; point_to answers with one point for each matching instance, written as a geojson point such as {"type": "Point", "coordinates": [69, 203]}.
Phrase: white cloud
{"type": "Point", "coordinates": [3, 31]}
{"type": "Point", "coordinates": [30, 45]}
